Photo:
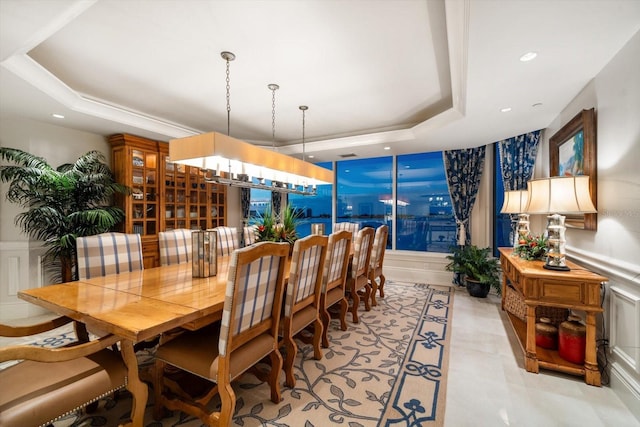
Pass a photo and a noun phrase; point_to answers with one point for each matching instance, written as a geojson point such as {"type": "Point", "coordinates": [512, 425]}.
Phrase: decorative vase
{"type": "Point", "coordinates": [477, 289]}
{"type": "Point", "coordinates": [546, 334]}
{"type": "Point", "coordinates": [572, 340]}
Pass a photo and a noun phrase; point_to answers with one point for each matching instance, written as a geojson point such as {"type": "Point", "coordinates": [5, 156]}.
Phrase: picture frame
{"type": "Point", "coordinates": [572, 151]}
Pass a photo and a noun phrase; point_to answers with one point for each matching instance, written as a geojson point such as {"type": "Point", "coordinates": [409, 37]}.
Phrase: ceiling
{"type": "Point", "coordinates": [410, 75]}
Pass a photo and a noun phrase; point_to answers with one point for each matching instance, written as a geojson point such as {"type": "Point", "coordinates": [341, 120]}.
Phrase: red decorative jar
{"type": "Point", "coordinates": [546, 334]}
{"type": "Point", "coordinates": [572, 340]}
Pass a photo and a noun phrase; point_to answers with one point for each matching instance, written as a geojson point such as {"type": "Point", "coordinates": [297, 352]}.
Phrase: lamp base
{"type": "Point", "coordinates": [556, 267]}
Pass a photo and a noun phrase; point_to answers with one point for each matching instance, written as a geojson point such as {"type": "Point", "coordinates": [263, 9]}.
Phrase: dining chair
{"type": "Point", "coordinates": [334, 279]}
{"type": "Point", "coordinates": [108, 253]}
{"type": "Point", "coordinates": [353, 227]}
{"type": "Point", "coordinates": [250, 234]}
{"type": "Point", "coordinates": [302, 301]}
{"type": "Point", "coordinates": [222, 352]}
{"type": "Point", "coordinates": [175, 246]}
{"type": "Point", "coordinates": [357, 278]}
{"type": "Point", "coordinates": [49, 383]}
{"type": "Point", "coordinates": [375, 264]}
{"type": "Point", "coordinates": [227, 240]}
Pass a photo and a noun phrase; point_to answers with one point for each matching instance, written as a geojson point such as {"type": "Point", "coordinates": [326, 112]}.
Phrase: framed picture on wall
{"type": "Point", "coordinates": [572, 151]}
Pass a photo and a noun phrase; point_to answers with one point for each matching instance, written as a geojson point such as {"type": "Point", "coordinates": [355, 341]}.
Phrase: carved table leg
{"type": "Point", "coordinates": [138, 389]}
{"type": "Point", "coordinates": [592, 374]}
{"type": "Point", "coordinates": [531, 358]}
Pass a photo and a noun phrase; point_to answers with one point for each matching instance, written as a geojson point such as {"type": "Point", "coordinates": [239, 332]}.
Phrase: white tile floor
{"type": "Point", "coordinates": [488, 386]}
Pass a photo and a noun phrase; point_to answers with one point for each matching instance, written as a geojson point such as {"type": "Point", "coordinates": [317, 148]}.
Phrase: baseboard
{"type": "Point", "coordinates": [626, 388]}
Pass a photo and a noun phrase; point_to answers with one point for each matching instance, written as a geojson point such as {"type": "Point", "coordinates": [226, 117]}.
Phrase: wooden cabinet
{"type": "Point", "coordinates": [164, 195]}
{"type": "Point", "coordinates": [578, 289]}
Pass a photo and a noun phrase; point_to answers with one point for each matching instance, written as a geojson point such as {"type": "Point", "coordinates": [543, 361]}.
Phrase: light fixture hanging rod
{"type": "Point", "coordinates": [304, 109]}
{"type": "Point", "coordinates": [228, 56]}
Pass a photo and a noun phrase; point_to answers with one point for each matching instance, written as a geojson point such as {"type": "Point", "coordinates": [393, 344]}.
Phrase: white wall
{"type": "Point", "coordinates": [20, 258]}
{"type": "Point", "coordinates": [614, 249]}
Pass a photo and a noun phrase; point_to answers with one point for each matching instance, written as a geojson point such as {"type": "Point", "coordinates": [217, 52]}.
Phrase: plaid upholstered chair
{"type": "Point", "coordinates": [353, 227]}
{"type": "Point", "coordinates": [108, 253]}
{"type": "Point", "coordinates": [302, 303]}
{"type": "Point", "coordinates": [175, 246]}
{"type": "Point", "coordinates": [250, 235]}
{"type": "Point", "coordinates": [248, 333]}
{"type": "Point", "coordinates": [227, 240]}
{"type": "Point", "coordinates": [47, 384]}
{"type": "Point", "coordinates": [375, 264]}
{"type": "Point", "coordinates": [357, 278]}
{"type": "Point", "coordinates": [334, 279]}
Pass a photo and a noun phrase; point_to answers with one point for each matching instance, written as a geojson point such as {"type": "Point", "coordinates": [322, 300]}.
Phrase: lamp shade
{"type": "Point", "coordinates": [560, 194]}
{"type": "Point", "coordinates": [515, 201]}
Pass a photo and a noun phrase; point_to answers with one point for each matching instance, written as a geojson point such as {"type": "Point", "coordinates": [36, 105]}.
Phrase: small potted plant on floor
{"type": "Point", "coordinates": [479, 268]}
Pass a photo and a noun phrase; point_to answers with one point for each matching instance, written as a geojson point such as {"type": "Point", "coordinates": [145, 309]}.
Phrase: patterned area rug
{"type": "Point", "coordinates": [389, 370]}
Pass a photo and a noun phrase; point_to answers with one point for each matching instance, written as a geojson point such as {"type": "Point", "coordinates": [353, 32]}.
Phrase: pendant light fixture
{"type": "Point", "coordinates": [238, 163]}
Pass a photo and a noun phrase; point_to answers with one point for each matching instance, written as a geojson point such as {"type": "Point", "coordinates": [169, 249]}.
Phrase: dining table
{"type": "Point", "coordinates": [138, 306]}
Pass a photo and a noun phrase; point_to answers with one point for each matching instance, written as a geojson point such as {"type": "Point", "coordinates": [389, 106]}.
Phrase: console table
{"type": "Point", "coordinates": [578, 289]}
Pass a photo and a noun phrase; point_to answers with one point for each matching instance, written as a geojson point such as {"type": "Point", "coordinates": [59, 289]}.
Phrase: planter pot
{"type": "Point", "coordinates": [477, 289]}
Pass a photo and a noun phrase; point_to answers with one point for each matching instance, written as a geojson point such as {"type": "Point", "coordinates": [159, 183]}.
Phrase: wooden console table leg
{"type": "Point", "coordinates": [138, 389]}
{"type": "Point", "coordinates": [592, 373]}
{"type": "Point", "coordinates": [531, 358]}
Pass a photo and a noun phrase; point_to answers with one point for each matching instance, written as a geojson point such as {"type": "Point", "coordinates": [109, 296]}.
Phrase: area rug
{"type": "Point", "coordinates": [388, 370]}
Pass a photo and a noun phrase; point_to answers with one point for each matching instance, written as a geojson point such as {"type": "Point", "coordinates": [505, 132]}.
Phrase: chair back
{"type": "Point", "coordinates": [175, 246]}
{"type": "Point", "coordinates": [337, 263]}
{"type": "Point", "coordinates": [227, 240]}
{"type": "Point", "coordinates": [305, 274]}
{"type": "Point", "coordinates": [108, 253]}
{"type": "Point", "coordinates": [253, 300]}
{"type": "Point", "coordinates": [379, 247]}
{"type": "Point", "coordinates": [353, 227]}
{"type": "Point", "coordinates": [362, 253]}
{"type": "Point", "coordinates": [250, 234]}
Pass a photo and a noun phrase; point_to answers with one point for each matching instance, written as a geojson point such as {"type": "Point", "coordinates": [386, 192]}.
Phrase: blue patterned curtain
{"type": "Point", "coordinates": [464, 170]}
{"type": "Point", "coordinates": [517, 158]}
{"type": "Point", "coordinates": [245, 202]}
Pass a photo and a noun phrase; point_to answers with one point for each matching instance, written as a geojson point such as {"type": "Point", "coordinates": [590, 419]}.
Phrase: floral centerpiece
{"type": "Point", "coordinates": [532, 247]}
{"type": "Point", "coordinates": [278, 228]}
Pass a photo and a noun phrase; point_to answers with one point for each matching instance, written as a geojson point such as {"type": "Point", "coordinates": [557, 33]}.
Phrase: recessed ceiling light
{"type": "Point", "coordinates": [387, 148]}
{"type": "Point", "coordinates": [311, 156]}
{"type": "Point", "coordinates": [528, 56]}
{"type": "Point", "coordinates": [505, 110]}
{"type": "Point", "coordinates": [57, 116]}
{"type": "Point", "coordinates": [537, 104]}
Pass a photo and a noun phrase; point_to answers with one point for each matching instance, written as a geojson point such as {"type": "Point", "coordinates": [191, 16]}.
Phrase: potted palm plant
{"type": "Point", "coordinates": [479, 268]}
{"type": "Point", "coordinates": [62, 204]}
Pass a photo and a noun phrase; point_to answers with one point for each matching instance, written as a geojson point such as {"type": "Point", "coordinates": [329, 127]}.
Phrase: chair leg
{"type": "Point", "coordinates": [317, 337]}
{"type": "Point", "coordinates": [382, 280]}
{"type": "Point", "coordinates": [292, 351]}
{"type": "Point", "coordinates": [274, 376]}
{"type": "Point", "coordinates": [228, 406]}
{"type": "Point", "coordinates": [344, 306]}
{"type": "Point", "coordinates": [326, 318]}
{"type": "Point", "coordinates": [354, 306]}
{"type": "Point", "coordinates": [158, 386]}
{"type": "Point", "coordinates": [374, 288]}
{"type": "Point", "coordinates": [367, 297]}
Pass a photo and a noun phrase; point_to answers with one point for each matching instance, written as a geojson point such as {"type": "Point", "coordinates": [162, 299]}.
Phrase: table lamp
{"type": "Point", "coordinates": [555, 196]}
{"type": "Point", "coordinates": [515, 202]}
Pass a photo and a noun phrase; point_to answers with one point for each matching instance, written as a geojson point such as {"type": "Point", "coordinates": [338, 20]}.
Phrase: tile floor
{"type": "Point", "coordinates": [488, 385]}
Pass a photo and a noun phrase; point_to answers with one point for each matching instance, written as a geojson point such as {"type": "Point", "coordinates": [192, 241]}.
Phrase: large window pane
{"type": "Point", "coordinates": [315, 209]}
{"type": "Point", "coordinates": [363, 189]}
{"type": "Point", "coordinates": [424, 217]}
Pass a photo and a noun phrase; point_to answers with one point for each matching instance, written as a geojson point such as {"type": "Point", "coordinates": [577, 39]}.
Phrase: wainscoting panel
{"type": "Point", "coordinates": [625, 327]}
{"type": "Point", "coordinates": [17, 273]}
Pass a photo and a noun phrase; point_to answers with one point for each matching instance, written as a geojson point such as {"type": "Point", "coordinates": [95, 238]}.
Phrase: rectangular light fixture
{"type": "Point", "coordinates": [241, 162]}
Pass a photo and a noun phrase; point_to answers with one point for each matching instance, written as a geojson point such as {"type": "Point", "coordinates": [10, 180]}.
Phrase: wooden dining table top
{"type": "Point", "coordinates": [141, 304]}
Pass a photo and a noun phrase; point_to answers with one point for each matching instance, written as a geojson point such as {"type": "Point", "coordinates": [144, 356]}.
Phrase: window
{"type": "Point", "coordinates": [363, 190]}
{"type": "Point", "coordinates": [315, 209]}
{"type": "Point", "coordinates": [424, 214]}
{"type": "Point", "coordinates": [502, 222]}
